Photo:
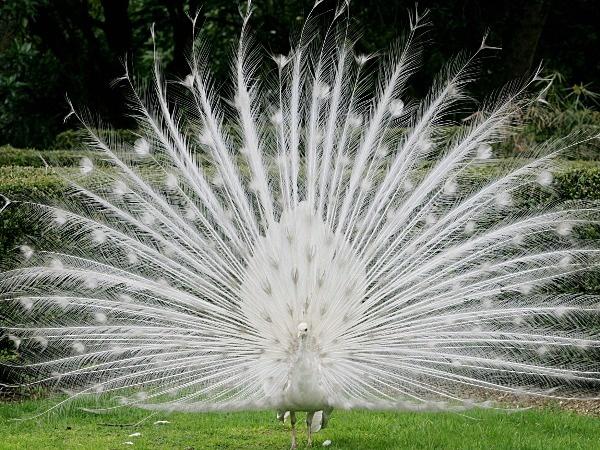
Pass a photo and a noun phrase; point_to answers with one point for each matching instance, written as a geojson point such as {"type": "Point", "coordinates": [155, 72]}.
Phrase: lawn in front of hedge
{"type": "Point", "coordinates": [477, 429]}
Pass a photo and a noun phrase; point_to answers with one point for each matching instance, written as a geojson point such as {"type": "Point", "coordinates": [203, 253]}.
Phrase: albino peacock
{"type": "Point", "coordinates": [309, 242]}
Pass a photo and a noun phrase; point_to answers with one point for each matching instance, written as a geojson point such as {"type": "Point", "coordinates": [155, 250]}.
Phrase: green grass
{"type": "Point", "coordinates": [531, 429]}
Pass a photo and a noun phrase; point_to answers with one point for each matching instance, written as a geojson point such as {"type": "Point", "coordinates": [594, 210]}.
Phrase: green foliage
{"type": "Point", "coordinates": [49, 49]}
{"type": "Point", "coordinates": [74, 139]}
{"type": "Point", "coordinates": [10, 156]}
{"type": "Point", "coordinates": [22, 184]}
{"type": "Point", "coordinates": [561, 110]}
{"type": "Point", "coordinates": [26, 73]}
{"type": "Point", "coordinates": [579, 181]}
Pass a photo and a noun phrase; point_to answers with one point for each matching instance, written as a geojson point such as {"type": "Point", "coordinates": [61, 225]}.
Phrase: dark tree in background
{"type": "Point", "coordinates": [49, 48]}
{"type": "Point", "coordinates": [117, 26]}
{"type": "Point", "coordinates": [525, 23]}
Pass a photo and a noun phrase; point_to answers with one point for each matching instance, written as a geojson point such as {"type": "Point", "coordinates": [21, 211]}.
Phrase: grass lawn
{"type": "Point", "coordinates": [531, 429]}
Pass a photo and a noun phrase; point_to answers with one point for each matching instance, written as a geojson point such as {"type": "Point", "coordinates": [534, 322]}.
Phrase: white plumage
{"type": "Point", "coordinates": [302, 246]}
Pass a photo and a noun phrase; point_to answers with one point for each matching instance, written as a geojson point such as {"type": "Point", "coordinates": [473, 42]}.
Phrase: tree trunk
{"type": "Point", "coordinates": [525, 22]}
{"type": "Point", "coordinates": [182, 34]}
{"type": "Point", "coordinates": [117, 26]}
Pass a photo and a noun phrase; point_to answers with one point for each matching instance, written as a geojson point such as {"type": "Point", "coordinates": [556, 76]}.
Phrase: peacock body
{"type": "Point", "coordinates": [302, 246]}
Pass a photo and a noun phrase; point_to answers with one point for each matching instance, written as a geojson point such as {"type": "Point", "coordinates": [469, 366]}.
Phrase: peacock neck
{"type": "Point", "coordinates": [304, 388]}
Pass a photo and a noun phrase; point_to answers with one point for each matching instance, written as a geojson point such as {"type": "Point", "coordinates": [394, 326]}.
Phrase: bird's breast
{"type": "Point", "coordinates": [304, 390]}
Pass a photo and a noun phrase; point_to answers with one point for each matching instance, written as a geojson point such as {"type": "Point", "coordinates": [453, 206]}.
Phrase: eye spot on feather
{"type": "Point", "coordinates": [168, 250]}
{"type": "Point", "coordinates": [545, 178]}
{"type": "Point", "coordinates": [345, 161]}
{"type": "Point", "coordinates": [125, 298]}
{"type": "Point", "coordinates": [485, 266]}
{"type": "Point", "coordinates": [190, 213]}
{"type": "Point", "coordinates": [26, 304]}
{"type": "Point", "coordinates": [525, 288]}
{"type": "Point", "coordinates": [41, 341]}
{"type": "Point", "coordinates": [323, 90]}
{"type": "Point", "coordinates": [100, 317]}
{"type": "Point", "coordinates": [147, 218]}
{"type": "Point", "coordinates": [425, 145]}
{"type": "Point", "coordinates": [503, 199]}
{"type": "Point", "coordinates": [171, 181]}
{"type": "Point", "coordinates": [365, 185]}
{"type": "Point", "coordinates": [518, 320]}
{"type": "Point", "coordinates": [396, 108]}
{"type": "Point", "coordinates": [362, 59]}
{"type": "Point", "coordinates": [518, 239]}
{"type": "Point", "coordinates": [26, 251]}
{"type": "Point", "coordinates": [15, 341]}
{"type": "Point", "coordinates": [565, 261]}
{"type": "Point", "coordinates": [119, 188]}
{"type": "Point", "coordinates": [560, 311]}
{"type": "Point", "coordinates": [564, 229]}
{"type": "Point", "coordinates": [430, 219]}
{"type": "Point", "coordinates": [78, 347]}
{"type": "Point", "coordinates": [56, 264]}
{"type": "Point", "coordinates": [132, 258]}
{"type": "Point", "coordinates": [382, 151]}
{"type": "Point", "coordinates": [484, 151]}
{"type": "Point", "coordinates": [60, 218]}
{"type": "Point", "coordinates": [355, 121]}
{"type": "Point", "coordinates": [98, 236]}
{"type": "Point", "coordinates": [206, 138]}
{"type": "Point", "coordinates": [61, 302]}
{"type": "Point", "coordinates": [277, 118]}
{"type": "Point", "coordinates": [470, 227]}
{"type": "Point", "coordinates": [90, 282]}
{"type": "Point", "coordinates": [280, 60]}
{"type": "Point", "coordinates": [86, 165]}
{"type": "Point", "coordinates": [450, 187]}
{"type": "Point", "coordinates": [217, 180]}
{"type": "Point", "coordinates": [188, 81]}
{"type": "Point", "coordinates": [141, 147]}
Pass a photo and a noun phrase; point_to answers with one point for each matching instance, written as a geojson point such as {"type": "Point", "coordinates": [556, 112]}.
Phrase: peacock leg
{"type": "Point", "coordinates": [293, 422]}
{"type": "Point", "coordinates": [309, 419]}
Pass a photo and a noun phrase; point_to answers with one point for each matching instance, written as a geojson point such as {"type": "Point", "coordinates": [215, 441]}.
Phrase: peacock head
{"type": "Point", "coordinates": [302, 329]}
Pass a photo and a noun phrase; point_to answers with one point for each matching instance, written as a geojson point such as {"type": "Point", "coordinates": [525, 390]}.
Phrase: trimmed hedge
{"type": "Point", "coordinates": [576, 180]}
{"type": "Point", "coordinates": [29, 157]}
{"type": "Point", "coordinates": [74, 139]}
{"type": "Point", "coordinates": [24, 183]}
